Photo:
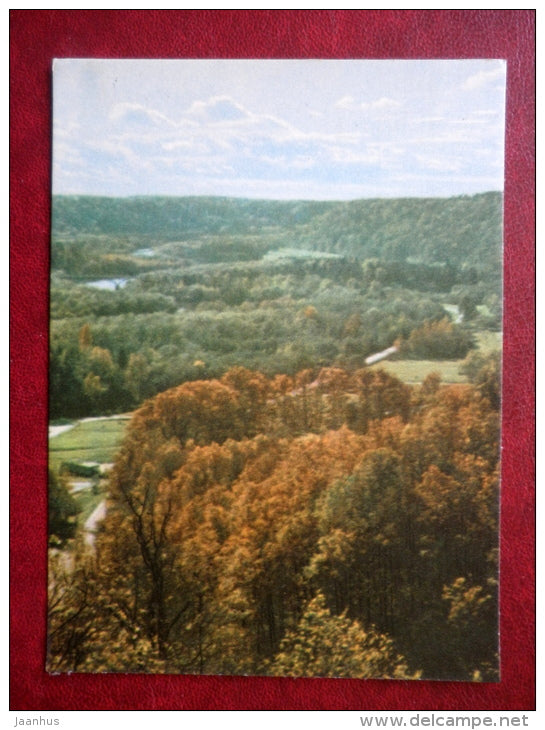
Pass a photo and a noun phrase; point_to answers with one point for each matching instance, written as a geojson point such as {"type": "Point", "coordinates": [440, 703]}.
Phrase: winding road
{"type": "Point", "coordinates": [92, 522]}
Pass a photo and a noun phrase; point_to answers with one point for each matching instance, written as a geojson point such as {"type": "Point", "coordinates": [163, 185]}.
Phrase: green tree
{"type": "Point", "coordinates": [473, 622]}
{"type": "Point", "coordinates": [62, 511]}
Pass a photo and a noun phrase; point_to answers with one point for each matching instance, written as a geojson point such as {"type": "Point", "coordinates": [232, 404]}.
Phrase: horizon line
{"type": "Point", "coordinates": [274, 200]}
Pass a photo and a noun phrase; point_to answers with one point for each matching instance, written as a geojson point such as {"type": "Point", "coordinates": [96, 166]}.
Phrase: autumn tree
{"type": "Point", "coordinates": [439, 340]}
{"type": "Point", "coordinates": [72, 625]}
{"type": "Point", "coordinates": [326, 645]}
{"type": "Point", "coordinates": [250, 520]}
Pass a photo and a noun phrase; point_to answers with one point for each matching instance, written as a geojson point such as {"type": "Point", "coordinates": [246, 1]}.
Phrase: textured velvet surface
{"type": "Point", "coordinates": [39, 36]}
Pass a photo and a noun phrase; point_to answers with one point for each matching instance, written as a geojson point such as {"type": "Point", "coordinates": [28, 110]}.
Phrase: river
{"type": "Point", "coordinates": [109, 284]}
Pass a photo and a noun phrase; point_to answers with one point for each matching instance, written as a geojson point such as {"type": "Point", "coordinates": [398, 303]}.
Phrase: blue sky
{"type": "Point", "coordinates": [304, 129]}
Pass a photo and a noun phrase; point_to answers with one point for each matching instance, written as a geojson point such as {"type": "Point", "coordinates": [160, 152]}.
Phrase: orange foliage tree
{"type": "Point", "coordinates": [237, 506]}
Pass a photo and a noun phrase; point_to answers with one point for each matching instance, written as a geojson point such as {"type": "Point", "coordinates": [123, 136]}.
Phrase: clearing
{"type": "Point", "coordinates": [414, 371]}
{"type": "Point", "coordinates": [93, 440]}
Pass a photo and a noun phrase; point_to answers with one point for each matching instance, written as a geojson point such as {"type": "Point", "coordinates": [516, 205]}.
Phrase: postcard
{"type": "Point", "coordinates": [275, 358]}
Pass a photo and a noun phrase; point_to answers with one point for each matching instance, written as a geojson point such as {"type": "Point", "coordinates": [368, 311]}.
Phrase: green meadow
{"type": "Point", "coordinates": [93, 440]}
{"type": "Point", "coordinates": [415, 371]}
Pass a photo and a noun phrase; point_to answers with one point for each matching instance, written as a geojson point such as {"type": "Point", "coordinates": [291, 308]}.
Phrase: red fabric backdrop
{"type": "Point", "coordinates": [39, 36]}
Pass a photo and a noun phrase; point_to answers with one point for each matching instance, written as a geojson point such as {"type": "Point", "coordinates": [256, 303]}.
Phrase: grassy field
{"type": "Point", "coordinates": [489, 341]}
{"type": "Point", "coordinates": [88, 441]}
{"type": "Point", "coordinates": [95, 441]}
{"type": "Point", "coordinates": [414, 371]}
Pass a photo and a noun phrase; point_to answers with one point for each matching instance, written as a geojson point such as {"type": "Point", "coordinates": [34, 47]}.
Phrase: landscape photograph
{"type": "Point", "coordinates": [275, 355]}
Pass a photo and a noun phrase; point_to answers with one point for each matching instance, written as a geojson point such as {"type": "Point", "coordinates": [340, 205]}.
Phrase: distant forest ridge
{"type": "Point", "coordinates": [462, 230]}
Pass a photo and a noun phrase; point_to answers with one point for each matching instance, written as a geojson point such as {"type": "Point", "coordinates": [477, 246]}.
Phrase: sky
{"type": "Point", "coordinates": [278, 129]}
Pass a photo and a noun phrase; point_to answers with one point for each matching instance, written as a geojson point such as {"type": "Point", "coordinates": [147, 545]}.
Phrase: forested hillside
{"type": "Point", "coordinates": [462, 230]}
{"type": "Point", "coordinates": [308, 481]}
{"type": "Point", "coordinates": [342, 526]}
{"type": "Point", "coordinates": [149, 292]}
{"type": "Point", "coordinates": [172, 218]}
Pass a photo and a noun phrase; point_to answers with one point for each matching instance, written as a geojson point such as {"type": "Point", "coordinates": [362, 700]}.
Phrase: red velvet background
{"type": "Point", "coordinates": [37, 37]}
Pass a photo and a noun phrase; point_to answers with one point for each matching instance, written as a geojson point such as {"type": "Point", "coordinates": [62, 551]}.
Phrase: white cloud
{"type": "Point", "coordinates": [178, 144]}
{"type": "Point", "coordinates": [428, 120]}
{"type": "Point", "coordinates": [382, 104]}
{"type": "Point", "coordinates": [440, 163]}
{"type": "Point", "coordinates": [275, 132]}
{"type": "Point", "coordinates": [486, 113]}
{"type": "Point", "coordinates": [482, 78]}
{"type": "Point", "coordinates": [110, 147]}
{"type": "Point", "coordinates": [462, 134]}
{"type": "Point", "coordinates": [66, 153]}
{"type": "Point", "coordinates": [346, 102]}
{"type": "Point", "coordinates": [218, 109]}
{"type": "Point", "coordinates": [139, 115]}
